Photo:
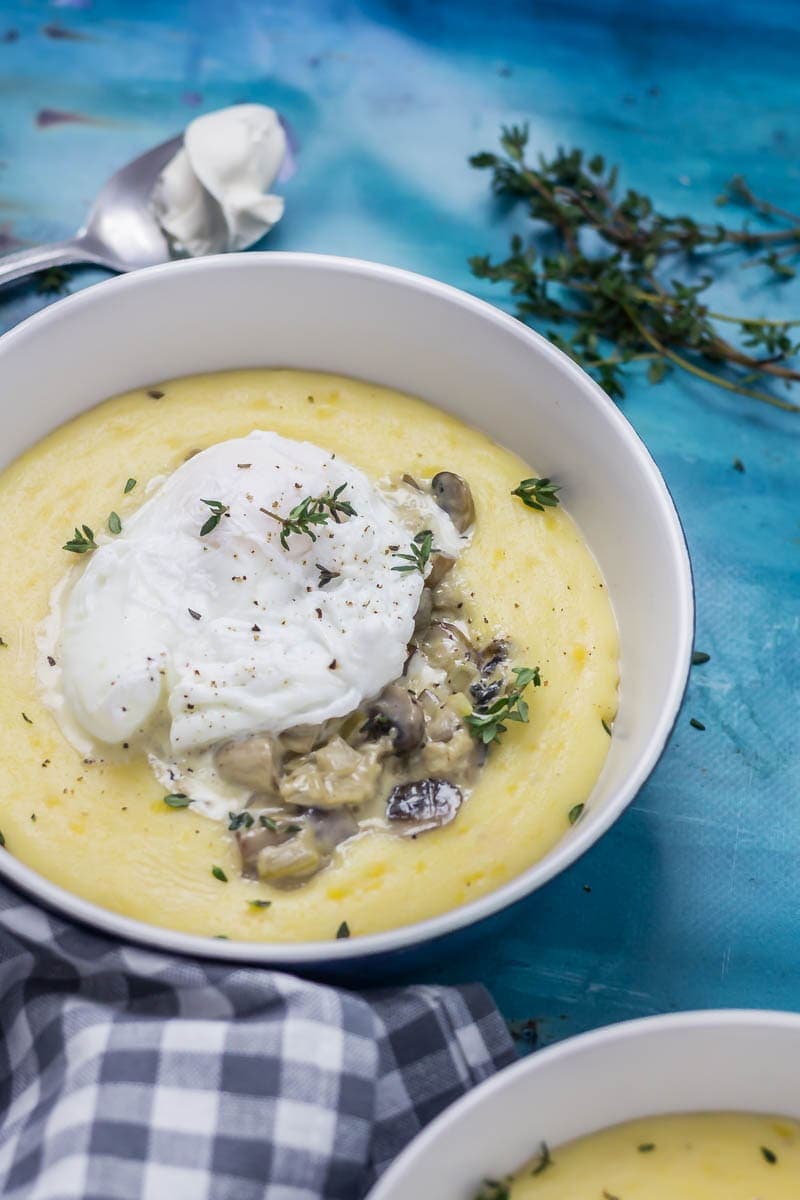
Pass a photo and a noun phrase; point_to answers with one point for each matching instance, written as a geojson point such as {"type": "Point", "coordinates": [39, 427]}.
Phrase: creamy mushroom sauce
{"type": "Point", "coordinates": [406, 761]}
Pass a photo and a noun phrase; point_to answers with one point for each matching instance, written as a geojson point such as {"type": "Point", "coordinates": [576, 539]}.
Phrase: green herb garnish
{"type": "Point", "coordinates": [219, 874]}
{"type": "Point", "coordinates": [646, 1147]}
{"type": "Point", "coordinates": [494, 1189]}
{"type": "Point", "coordinates": [218, 511]}
{"type": "Point", "coordinates": [177, 800]}
{"type": "Point", "coordinates": [699, 657]}
{"type": "Point", "coordinates": [606, 726]}
{"type": "Point", "coordinates": [422, 548]}
{"type": "Point", "coordinates": [129, 486]}
{"type": "Point", "coordinates": [488, 724]}
{"type": "Point", "coordinates": [53, 281]}
{"type": "Point", "coordinates": [738, 465]}
{"type": "Point", "coordinates": [259, 903]}
{"type": "Point", "coordinates": [575, 813]}
{"type": "Point", "coordinates": [82, 542]}
{"type": "Point", "coordinates": [268, 823]}
{"type": "Point", "coordinates": [238, 820]}
{"type": "Point", "coordinates": [27, 719]}
{"type": "Point", "coordinates": [343, 931]}
{"type": "Point", "coordinates": [545, 1160]}
{"type": "Point", "coordinates": [538, 493]}
{"type": "Point", "coordinates": [769, 1155]}
{"type": "Point", "coordinates": [622, 304]}
{"type": "Point", "coordinates": [695, 724]}
{"type": "Point", "coordinates": [114, 523]}
{"type": "Point", "coordinates": [313, 511]}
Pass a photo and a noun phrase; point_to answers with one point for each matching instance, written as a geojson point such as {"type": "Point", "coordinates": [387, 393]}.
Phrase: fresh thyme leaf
{"type": "Point", "coordinates": [129, 486]}
{"type": "Point", "coordinates": [313, 511]}
{"type": "Point", "coordinates": [177, 800]}
{"type": "Point", "coordinates": [621, 303]}
{"type": "Point", "coordinates": [494, 1189]}
{"type": "Point", "coordinates": [488, 723]}
{"type": "Point", "coordinates": [695, 724]}
{"type": "Point", "coordinates": [259, 903]}
{"type": "Point", "coordinates": [738, 465]}
{"type": "Point", "coordinates": [82, 542]}
{"type": "Point", "coordinates": [606, 726]}
{"type": "Point", "coordinates": [268, 823]}
{"type": "Point", "coordinates": [239, 820]}
{"type": "Point", "coordinates": [699, 657]}
{"type": "Point", "coordinates": [219, 874]}
{"type": "Point", "coordinates": [768, 1155]}
{"type": "Point", "coordinates": [114, 523]}
{"type": "Point", "coordinates": [422, 548]}
{"type": "Point", "coordinates": [27, 719]}
{"type": "Point", "coordinates": [292, 828]}
{"type": "Point", "coordinates": [218, 511]}
{"type": "Point", "coordinates": [538, 493]}
{"type": "Point", "coordinates": [575, 813]}
{"type": "Point", "coordinates": [545, 1160]}
{"type": "Point", "coordinates": [646, 1147]}
{"type": "Point", "coordinates": [53, 281]}
{"type": "Point", "coordinates": [325, 574]}
{"type": "Point", "coordinates": [343, 931]}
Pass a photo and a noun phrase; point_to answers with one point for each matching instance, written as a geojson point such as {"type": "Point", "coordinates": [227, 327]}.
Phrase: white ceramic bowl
{"type": "Point", "coordinates": [690, 1062]}
{"type": "Point", "coordinates": [411, 333]}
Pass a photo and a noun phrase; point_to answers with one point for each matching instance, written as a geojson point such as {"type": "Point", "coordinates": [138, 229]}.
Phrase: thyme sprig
{"type": "Point", "coordinates": [218, 511]}
{"type": "Point", "coordinates": [421, 548]}
{"type": "Point", "coordinates": [621, 304]}
{"type": "Point", "coordinates": [488, 724]}
{"type": "Point", "coordinates": [311, 512]}
{"type": "Point", "coordinates": [538, 493]}
{"type": "Point", "coordinates": [81, 542]}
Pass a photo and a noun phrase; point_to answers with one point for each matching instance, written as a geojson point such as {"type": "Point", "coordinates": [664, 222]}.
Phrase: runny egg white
{"type": "Point", "coordinates": [187, 638]}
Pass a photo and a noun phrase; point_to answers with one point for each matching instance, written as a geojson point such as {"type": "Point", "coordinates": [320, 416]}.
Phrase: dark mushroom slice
{"type": "Point", "coordinates": [490, 662]}
{"type": "Point", "coordinates": [441, 565]}
{"type": "Point", "coordinates": [423, 804]}
{"type": "Point", "coordinates": [396, 713]}
{"type": "Point", "coordinates": [251, 762]}
{"type": "Point", "coordinates": [452, 493]}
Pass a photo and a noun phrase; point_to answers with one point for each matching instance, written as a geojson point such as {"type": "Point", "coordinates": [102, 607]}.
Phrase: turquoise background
{"type": "Point", "coordinates": [692, 899]}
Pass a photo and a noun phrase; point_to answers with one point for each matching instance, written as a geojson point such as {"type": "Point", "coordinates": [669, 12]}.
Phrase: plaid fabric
{"type": "Point", "coordinates": [129, 1075]}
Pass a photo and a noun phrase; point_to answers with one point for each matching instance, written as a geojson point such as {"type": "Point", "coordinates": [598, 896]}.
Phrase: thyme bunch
{"type": "Point", "coordinates": [311, 512]}
{"type": "Point", "coordinates": [602, 275]}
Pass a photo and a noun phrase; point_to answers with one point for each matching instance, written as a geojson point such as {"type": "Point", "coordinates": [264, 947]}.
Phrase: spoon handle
{"type": "Point", "coordinates": [38, 258]}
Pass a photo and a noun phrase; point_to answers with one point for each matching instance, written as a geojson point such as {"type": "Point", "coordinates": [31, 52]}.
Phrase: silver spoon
{"type": "Point", "coordinates": [120, 231]}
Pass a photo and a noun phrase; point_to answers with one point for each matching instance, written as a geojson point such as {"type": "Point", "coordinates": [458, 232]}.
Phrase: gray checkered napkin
{"type": "Point", "coordinates": [130, 1075]}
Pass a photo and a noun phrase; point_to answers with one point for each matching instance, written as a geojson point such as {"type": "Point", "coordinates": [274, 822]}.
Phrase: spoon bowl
{"type": "Point", "coordinates": [120, 232]}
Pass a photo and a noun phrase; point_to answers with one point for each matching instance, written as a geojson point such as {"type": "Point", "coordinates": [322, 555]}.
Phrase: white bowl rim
{"type": "Point", "coordinates": [619, 1033]}
{"type": "Point", "coordinates": [566, 852]}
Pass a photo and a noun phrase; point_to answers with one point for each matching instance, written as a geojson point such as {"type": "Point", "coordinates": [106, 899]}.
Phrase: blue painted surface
{"type": "Point", "coordinates": [694, 894]}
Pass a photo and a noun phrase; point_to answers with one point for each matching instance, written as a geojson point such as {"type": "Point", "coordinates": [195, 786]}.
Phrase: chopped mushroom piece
{"type": "Point", "coordinates": [441, 565]}
{"type": "Point", "coordinates": [452, 493]}
{"type": "Point", "coordinates": [424, 804]}
{"type": "Point", "coordinates": [335, 775]}
{"type": "Point", "coordinates": [251, 842]}
{"type": "Point", "coordinates": [397, 715]}
{"type": "Point", "coordinates": [252, 762]}
{"type": "Point", "coordinates": [295, 859]}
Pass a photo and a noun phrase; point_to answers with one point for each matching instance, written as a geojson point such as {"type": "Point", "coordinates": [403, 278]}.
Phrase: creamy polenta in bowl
{"type": "Point", "coordinates": [701, 1106]}
{"type": "Point", "coordinates": [293, 657]}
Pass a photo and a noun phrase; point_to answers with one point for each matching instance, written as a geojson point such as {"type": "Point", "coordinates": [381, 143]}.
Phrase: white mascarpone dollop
{"type": "Point", "coordinates": [213, 196]}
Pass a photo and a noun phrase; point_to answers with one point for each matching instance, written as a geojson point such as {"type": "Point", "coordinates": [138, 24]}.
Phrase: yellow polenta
{"type": "Point", "coordinates": [102, 830]}
{"type": "Point", "coordinates": [701, 1156]}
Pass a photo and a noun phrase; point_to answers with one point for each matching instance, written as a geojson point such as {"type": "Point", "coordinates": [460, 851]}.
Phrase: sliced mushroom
{"type": "Point", "coordinates": [251, 842]}
{"type": "Point", "coordinates": [396, 713]}
{"type": "Point", "coordinates": [424, 804]}
{"type": "Point", "coordinates": [335, 775]}
{"type": "Point", "coordinates": [302, 739]}
{"type": "Point", "coordinates": [292, 860]}
{"type": "Point", "coordinates": [446, 648]}
{"type": "Point", "coordinates": [452, 493]}
{"type": "Point", "coordinates": [332, 826]}
{"type": "Point", "coordinates": [490, 661]}
{"type": "Point", "coordinates": [423, 618]}
{"type": "Point", "coordinates": [251, 762]}
{"type": "Point", "coordinates": [441, 564]}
